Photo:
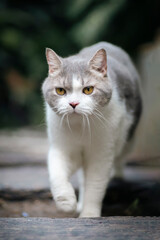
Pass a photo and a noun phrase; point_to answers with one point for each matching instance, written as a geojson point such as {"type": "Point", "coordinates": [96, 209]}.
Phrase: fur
{"type": "Point", "coordinates": [95, 134]}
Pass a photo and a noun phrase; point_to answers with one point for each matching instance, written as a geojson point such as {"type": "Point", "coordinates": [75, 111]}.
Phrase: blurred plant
{"type": "Point", "coordinates": [27, 27]}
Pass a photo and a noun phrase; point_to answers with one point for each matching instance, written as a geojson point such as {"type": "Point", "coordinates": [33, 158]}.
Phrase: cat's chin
{"type": "Point", "coordinates": [75, 115]}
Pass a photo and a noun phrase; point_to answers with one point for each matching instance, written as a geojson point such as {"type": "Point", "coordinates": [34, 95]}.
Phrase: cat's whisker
{"type": "Point", "coordinates": [93, 121]}
{"type": "Point", "coordinates": [87, 111]}
{"type": "Point", "coordinates": [100, 114]}
{"type": "Point", "coordinates": [95, 114]}
{"type": "Point", "coordinates": [69, 123]}
{"type": "Point", "coordinates": [63, 116]}
{"type": "Point", "coordinates": [41, 123]}
{"type": "Point", "coordinates": [89, 128]}
{"type": "Point", "coordinates": [98, 110]}
{"type": "Point", "coordinates": [83, 125]}
{"type": "Point", "coordinates": [62, 111]}
{"type": "Point", "coordinates": [103, 118]}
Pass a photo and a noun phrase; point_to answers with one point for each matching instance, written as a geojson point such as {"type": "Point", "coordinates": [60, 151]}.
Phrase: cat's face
{"type": "Point", "coordinates": [76, 86]}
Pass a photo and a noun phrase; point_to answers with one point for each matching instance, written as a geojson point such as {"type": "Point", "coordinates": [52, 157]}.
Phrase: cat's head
{"type": "Point", "coordinates": [75, 84]}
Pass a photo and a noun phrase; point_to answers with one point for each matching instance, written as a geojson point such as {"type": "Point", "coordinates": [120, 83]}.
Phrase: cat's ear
{"type": "Point", "coordinates": [98, 62]}
{"type": "Point", "coordinates": [54, 62]}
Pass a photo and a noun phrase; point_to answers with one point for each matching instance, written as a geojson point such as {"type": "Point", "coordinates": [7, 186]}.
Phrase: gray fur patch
{"type": "Point", "coordinates": [126, 80]}
{"type": "Point", "coordinates": [103, 97]}
{"type": "Point", "coordinates": [78, 68]}
{"type": "Point", "coordinates": [48, 92]}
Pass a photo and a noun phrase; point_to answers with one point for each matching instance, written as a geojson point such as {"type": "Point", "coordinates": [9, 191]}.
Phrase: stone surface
{"type": "Point", "coordinates": [30, 143]}
{"type": "Point", "coordinates": [117, 228]}
{"type": "Point", "coordinates": [30, 208]}
{"type": "Point", "coordinates": [29, 178]}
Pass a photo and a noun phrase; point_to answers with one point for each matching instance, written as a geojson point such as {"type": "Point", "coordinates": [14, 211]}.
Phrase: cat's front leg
{"type": "Point", "coordinates": [60, 169]}
{"type": "Point", "coordinates": [97, 175]}
{"type": "Point", "coordinates": [80, 175]}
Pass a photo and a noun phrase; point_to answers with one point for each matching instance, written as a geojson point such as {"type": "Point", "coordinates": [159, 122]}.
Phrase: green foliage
{"type": "Point", "coordinates": [28, 27]}
{"type": "Point", "coordinates": [96, 23]}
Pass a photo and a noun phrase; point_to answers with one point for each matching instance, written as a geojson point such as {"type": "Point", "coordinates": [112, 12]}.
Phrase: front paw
{"type": "Point", "coordinates": [79, 207]}
{"type": "Point", "coordinates": [66, 203]}
{"type": "Point", "coordinates": [90, 213]}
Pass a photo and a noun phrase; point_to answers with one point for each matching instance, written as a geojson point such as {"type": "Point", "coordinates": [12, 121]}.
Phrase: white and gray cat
{"type": "Point", "coordinates": [93, 105]}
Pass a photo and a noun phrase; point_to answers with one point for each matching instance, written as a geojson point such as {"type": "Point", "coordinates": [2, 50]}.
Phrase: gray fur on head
{"type": "Point", "coordinates": [89, 72]}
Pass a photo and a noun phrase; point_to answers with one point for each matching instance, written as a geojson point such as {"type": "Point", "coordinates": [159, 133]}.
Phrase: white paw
{"type": "Point", "coordinates": [66, 203]}
{"type": "Point", "coordinates": [90, 214]}
{"type": "Point", "coordinates": [79, 207]}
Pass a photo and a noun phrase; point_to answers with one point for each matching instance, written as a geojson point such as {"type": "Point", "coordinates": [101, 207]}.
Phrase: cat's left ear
{"type": "Point", "coordinates": [53, 61]}
{"type": "Point", "coordinates": [98, 62]}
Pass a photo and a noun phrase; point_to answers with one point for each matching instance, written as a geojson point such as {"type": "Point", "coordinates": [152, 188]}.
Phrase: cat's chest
{"type": "Point", "coordinates": [85, 136]}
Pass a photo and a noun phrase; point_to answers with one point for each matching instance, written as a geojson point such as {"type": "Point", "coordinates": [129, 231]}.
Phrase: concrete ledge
{"type": "Point", "coordinates": [117, 228]}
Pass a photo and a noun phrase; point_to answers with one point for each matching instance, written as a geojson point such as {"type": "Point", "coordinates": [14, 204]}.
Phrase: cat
{"type": "Point", "coordinates": [93, 106]}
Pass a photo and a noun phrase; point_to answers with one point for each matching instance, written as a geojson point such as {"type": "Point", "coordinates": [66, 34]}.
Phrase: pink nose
{"type": "Point", "coordinates": [73, 104]}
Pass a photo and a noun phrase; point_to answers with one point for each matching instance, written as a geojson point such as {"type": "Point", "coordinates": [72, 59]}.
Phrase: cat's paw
{"type": "Point", "coordinates": [90, 214]}
{"type": "Point", "coordinates": [66, 203]}
{"type": "Point", "coordinates": [79, 207]}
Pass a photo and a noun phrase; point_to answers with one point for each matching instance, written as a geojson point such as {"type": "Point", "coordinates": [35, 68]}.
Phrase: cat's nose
{"type": "Point", "coordinates": [73, 104]}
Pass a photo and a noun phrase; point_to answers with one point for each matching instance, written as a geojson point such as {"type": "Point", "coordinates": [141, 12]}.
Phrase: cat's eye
{"type": "Point", "coordinates": [60, 91]}
{"type": "Point", "coordinates": [88, 90]}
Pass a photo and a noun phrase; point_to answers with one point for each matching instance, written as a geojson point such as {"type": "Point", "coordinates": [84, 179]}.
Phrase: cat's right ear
{"type": "Point", "coordinates": [54, 62]}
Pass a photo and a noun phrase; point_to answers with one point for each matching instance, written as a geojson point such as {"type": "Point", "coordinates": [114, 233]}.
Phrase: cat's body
{"type": "Point", "coordinates": [91, 124]}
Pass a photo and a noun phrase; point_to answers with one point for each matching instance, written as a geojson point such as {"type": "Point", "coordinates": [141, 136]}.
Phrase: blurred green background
{"type": "Point", "coordinates": [28, 27]}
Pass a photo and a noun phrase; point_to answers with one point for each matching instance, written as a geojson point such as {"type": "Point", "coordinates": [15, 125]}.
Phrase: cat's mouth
{"type": "Point", "coordinates": [75, 113]}
{"type": "Point", "coordinates": [80, 112]}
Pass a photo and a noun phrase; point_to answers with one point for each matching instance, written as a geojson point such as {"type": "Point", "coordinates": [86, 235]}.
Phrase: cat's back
{"type": "Point", "coordinates": [117, 58]}
{"type": "Point", "coordinates": [112, 51]}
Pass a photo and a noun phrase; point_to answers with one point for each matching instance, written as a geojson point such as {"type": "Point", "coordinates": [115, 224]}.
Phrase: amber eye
{"type": "Point", "coordinates": [60, 91]}
{"type": "Point", "coordinates": [88, 90]}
